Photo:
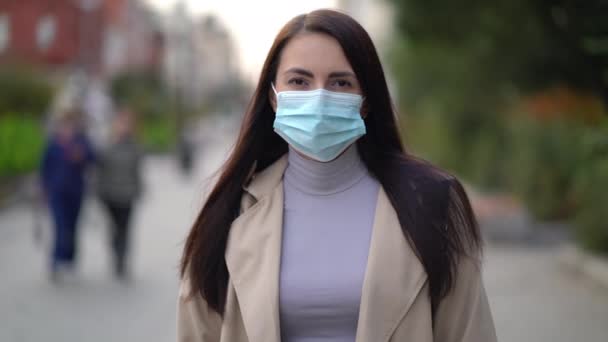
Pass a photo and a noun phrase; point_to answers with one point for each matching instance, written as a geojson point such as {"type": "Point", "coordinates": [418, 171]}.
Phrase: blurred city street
{"type": "Point", "coordinates": [533, 298]}
{"type": "Point", "coordinates": [93, 306]}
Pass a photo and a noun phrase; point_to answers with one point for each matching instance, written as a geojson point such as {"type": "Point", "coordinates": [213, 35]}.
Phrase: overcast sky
{"type": "Point", "coordinates": [253, 23]}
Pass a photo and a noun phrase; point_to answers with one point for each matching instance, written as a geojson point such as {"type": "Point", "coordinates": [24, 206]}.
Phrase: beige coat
{"type": "Point", "coordinates": [395, 305]}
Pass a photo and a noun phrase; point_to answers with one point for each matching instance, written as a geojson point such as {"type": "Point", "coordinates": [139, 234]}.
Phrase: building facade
{"type": "Point", "coordinates": [99, 36]}
{"type": "Point", "coordinates": [50, 33]}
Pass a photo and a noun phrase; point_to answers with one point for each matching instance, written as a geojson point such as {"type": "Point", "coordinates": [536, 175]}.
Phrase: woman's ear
{"type": "Point", "coordinates": [272, 97]}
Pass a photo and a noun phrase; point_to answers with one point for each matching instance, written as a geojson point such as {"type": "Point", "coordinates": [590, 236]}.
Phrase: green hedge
{"type": "Point", "coordinates": [557, 167]}
{"type": "Point", "coordinates": [157, 134]}
{"type": "Point", "coordinates": [24, 91]}
{"type": "Point", "coordinates": [22, 140]}
{"type": "Point", "coordinates": [144, 92]}
{"type": "Point", "coordinates": [25, 97]}
{"type": "Point", "coordinates": [545, 158]}
{"type": "Point", "coordinates": [591, 189]}
{"type": "Point", "coordinates": [560, 170]}
{"type": "Point", "coordinates": [21, 145]}
{"type": "Point", "coordinates": [477, 152]}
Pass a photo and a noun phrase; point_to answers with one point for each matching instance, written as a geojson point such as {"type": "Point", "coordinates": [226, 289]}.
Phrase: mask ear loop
{"type": "Point", "coordinates": [276, 94]}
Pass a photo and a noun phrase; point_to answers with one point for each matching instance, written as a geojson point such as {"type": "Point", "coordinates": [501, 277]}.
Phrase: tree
{"type": "Point", "coordinates": [461, 65]}
{"type": "Point", "coordinates": [504, 43]}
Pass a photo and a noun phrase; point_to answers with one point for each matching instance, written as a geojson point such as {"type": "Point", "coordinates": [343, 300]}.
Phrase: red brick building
{"type": "Point", "coordinates": [53, 33]}
{"type": "Point", "coordinates": [94, 34]}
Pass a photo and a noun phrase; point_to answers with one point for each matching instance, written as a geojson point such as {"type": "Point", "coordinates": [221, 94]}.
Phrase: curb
{"type": "Point", "coordinates": [593, 266]}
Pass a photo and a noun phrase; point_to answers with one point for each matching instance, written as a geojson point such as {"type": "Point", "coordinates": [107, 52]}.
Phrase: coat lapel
{"type": "Point", "coordinates": [393, 278]}
{"type": "Point", "coordinates": [253, 255]}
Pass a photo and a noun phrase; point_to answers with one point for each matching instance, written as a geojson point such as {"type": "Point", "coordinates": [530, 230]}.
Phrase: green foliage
{"type": "Point", "coordinates": [24, 91]}
{"type": "Point", "coordinates": [143, 92]}
{"type": "Point", "coordinates": [591, 186]}
{"type": "Point", "coordinates": [456, 74]}
{"type": "Point", "coordinates": [157, 134]}
{"type": "Point", "coordinates": [530, 44]}
{"type": "Point", "coordinates": [559, 168]}
{"type": "Point", "coordinates": [473, 148]}
{"type": "Point", "coordinates": [543, 165]}
{"type": "Point", "coordinates": [461, 68]}
{"type": "Point", "coordinates": [488, 159]}
{"type": "Point", "coordinates": [21, 144]}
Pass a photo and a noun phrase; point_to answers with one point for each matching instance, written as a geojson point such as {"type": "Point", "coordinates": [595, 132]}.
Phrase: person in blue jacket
{"type": "Point", "coordinates": [67, 156]}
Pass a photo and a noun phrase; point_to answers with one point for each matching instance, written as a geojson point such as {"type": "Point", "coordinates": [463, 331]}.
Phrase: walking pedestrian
{"type": "Point", "coordinates": [66, 158]}
{"type": "Point", "coordinates": [119, 184]}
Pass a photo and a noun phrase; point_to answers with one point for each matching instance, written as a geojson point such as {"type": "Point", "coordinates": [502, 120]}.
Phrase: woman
{"type": "Point", "coordinates": [65, 160]}
{"type": "Point", "coordinates": [119, 183]}
{"type": "Point", "coordinates": [321, 227]}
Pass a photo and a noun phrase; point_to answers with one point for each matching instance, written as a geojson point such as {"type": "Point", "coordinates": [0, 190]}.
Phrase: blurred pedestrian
{"type": "Point", "coordinates": [186, 150]}
{"type": "Point", "coordinates": [67, 155]}
{"type": "Point", "coordinates": [321, 226]}
{"type": "Point", "coordinates": [119, 182]}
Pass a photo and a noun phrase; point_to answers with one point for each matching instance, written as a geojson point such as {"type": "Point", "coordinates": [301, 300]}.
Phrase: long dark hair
{"type": "Point", "coordinates": [432, 207]}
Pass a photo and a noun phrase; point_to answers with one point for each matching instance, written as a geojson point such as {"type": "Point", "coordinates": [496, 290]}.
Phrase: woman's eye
{"type": "Point", "coordinates": [297, 81]}
{"type": "Point", "coordinates": [342, 83]}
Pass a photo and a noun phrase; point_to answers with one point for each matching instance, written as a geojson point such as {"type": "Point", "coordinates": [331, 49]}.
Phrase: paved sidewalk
{"type": "Point", "coordinates": [536, 299]}
{"type": "Point", "coordinates": [534, 295]}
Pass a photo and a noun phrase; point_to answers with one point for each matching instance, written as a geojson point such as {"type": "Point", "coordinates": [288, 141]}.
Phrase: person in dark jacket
{"type": "Point", "coordinates": [67, 155]}
{"type": "Point", "coordinates": [120, 184]}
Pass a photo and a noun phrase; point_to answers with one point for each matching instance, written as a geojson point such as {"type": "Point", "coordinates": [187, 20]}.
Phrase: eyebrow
{"type": "Point", "coordinates": [308, 73]}
{"type": "Point", "coordinates": [300, 71]}
{"type": "Point", "coordinates": [341, 74]}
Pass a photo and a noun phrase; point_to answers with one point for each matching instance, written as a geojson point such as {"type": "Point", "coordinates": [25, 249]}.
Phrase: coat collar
{"type": "Point", "coordinates": [260, 184]}
{"type": "Point", "coordinates": [393, 278]}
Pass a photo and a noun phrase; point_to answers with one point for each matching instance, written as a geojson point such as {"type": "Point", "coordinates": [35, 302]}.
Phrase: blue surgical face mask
{"type": "Point", "coordinates": [320, 124]}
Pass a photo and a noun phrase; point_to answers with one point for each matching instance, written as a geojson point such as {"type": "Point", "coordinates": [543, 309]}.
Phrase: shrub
{"type": "Point", "coordinates": [474, 148]}
{"type": "Point", "coordinates": [591, 219]}
{"type": "Point", "coordinates": [21, 145]}
{"type": "Point", "coordinates": [543, 165]}
{"type": "Point", "coordinates": [24, 92]}
{"type": "Point", "coordinates": [143, 91]}
{"type": "Point", "coordinates": [157, 134]}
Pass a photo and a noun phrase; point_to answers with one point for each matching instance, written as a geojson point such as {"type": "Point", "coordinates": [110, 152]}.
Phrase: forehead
{"type": "Point", "coordinates": [316, 52]}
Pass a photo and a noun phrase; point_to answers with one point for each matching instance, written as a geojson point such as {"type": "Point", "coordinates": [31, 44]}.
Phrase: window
{"type": "Point", "coordinates": [89, 5]}
{"type": "Point", "coordinates": [46, 32]}
{"type": "Point", "coordinates": [5, 33]}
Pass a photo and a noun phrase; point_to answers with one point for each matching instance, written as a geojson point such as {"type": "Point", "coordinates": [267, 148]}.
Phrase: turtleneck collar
{"type": "Point", "coordinates": [322, 179]}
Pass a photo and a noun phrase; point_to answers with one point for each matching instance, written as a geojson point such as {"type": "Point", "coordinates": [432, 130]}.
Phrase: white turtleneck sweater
{"type": "Point", "coordinates": [328, 216]}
